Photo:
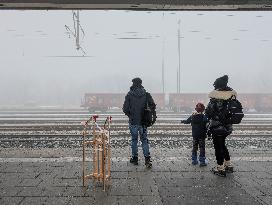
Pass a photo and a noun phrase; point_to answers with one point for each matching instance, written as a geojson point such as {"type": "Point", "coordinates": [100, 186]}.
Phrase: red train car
{"type": "Point", "coordinates": [256, 102]}
{"type": "Point", "coordinates": [102, 101]}
{"type": "Point", "coordinates": [106, 101]}
{"type": "Point", "coordinates": [186, 101]}
{"type": "Point", "coordinates": [252, 102]}
{"type": "Point", "coordinates": [266, 102]}
{"type": "Point", "coordinates": [159, 99]}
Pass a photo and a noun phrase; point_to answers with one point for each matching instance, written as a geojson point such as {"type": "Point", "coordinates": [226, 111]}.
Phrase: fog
{"type": "Point", "coordinates": [38, 63]}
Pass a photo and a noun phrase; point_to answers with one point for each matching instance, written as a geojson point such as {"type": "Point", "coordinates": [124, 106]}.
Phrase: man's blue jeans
{"type": "Point", "coordinates": [135, 130]}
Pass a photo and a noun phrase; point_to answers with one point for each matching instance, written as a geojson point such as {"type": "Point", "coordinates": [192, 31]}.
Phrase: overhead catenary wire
{"type": "Point", "coordinates": [77, 28]}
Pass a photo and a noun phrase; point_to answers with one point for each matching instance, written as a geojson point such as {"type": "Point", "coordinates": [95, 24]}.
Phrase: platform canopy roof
{"type": "Point", "coordinates": [138, 4]}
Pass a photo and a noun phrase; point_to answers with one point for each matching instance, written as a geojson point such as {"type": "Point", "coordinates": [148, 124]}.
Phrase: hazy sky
{"type": "Point", "coordinates": [213, 43]}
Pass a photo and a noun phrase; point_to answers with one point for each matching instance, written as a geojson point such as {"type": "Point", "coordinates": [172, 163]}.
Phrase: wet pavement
{"type": "Point", "coordinates": [41, 154]}
{"type": "Point", "coordinates": [53, 176]}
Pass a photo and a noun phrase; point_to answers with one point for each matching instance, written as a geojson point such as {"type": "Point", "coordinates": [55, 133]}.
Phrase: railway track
{"type": "Point", "coordinates": [62, 128]}
{"type": "Point", "coordinates": [164, 142]}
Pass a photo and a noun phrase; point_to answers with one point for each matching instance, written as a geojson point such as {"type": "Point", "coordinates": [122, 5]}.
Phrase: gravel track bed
{"type": "Point", "coordinates": [62, 128]}
{"type": "Point", "coordinates": [120, 143]}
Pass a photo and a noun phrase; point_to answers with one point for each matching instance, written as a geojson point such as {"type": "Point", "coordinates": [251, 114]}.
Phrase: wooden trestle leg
{"type": "Point", "coordinates": [101, 153]}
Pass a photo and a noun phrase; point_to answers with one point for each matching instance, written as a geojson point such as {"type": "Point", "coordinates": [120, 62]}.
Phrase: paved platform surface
{"type": "Point", "coordinates": [54, 177]}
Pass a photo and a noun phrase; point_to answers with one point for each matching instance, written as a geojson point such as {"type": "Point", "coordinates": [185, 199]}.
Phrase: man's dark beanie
{"type": "Point", "coordinates": [221, 82]}
{"type": "Point", "coordinates": [137, 81]}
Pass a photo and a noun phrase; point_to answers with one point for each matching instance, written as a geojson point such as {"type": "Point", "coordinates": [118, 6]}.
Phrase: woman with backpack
{"type": "Point", "coordinates": [220, 123]}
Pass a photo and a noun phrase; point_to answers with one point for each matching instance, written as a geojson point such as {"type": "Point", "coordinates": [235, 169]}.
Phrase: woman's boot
{"type": "Point", "coordinates": [228, 166]}
{"type": "Point", "coordinates": [219, 170]}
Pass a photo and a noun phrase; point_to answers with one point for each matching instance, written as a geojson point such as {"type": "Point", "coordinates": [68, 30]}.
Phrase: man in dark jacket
{"type": "Point", "coordinates": [219, 126]}
{"type": "Point", "coordinates": [134, 105]}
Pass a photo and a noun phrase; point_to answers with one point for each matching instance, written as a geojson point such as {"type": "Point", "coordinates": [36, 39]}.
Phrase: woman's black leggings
{"type": "Point", "coordinates": [221, 151]}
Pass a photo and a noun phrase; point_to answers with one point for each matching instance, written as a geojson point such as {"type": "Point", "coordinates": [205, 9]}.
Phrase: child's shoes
{"type": "Point", "coordinates": [194, 160]}
{"type": "Point", "coordinates": [202, 161]}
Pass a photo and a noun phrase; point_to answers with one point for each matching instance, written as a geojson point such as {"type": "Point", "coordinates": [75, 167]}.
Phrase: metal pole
{"type": "Point", "coordinates": [179, 56]}
{"type": "Point", "coordinates": [177, 81]}
{"type": "Point", "coordinates": [163, 81]}
{"type": "Point", "coordinates": [163, 48]}
{"type": "Point", "coordinates": [77, 32]}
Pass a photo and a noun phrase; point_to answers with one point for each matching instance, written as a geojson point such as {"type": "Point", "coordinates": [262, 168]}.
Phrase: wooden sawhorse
{"type": "Point", "coordinates": [101, 151]}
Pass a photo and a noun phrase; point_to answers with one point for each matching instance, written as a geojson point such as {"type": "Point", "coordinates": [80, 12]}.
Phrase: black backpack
{"type": "Point", "coordinates": [149, 113]}
{"type": "Point", "coordinates": [235, 110]}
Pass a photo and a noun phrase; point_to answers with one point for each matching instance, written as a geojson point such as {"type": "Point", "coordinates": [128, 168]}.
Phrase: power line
{"type": "Point", "coordinates": [77, 28]}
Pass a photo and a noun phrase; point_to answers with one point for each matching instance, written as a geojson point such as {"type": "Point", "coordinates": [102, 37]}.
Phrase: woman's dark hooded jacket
{"type": "Point", "coordinates": [217, 113]}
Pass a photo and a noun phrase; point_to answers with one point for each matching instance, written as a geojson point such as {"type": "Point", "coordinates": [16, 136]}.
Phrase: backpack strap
{"type": "Point", "coordinates": [146, 99]}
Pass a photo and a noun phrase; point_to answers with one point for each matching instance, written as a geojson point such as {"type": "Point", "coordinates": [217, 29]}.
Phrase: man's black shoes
{"type": "Point", "coordinates": [134, 160]}
{"type": "Point", "coordinates": [148, 162]}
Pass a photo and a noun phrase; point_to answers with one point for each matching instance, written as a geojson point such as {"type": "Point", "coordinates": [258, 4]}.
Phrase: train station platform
{"type": "Point", "coordinates": [53, 176]}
